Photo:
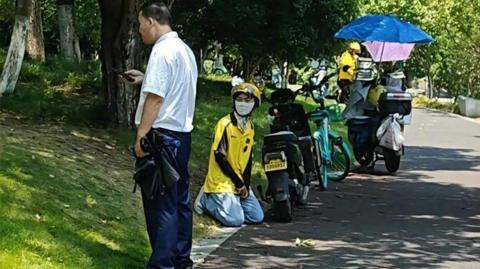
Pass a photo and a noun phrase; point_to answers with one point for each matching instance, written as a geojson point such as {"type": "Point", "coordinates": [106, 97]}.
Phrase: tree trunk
{"type": "Point", "coordinates": [285, 71]}
{"type": "Point", "coordinates": [121, 49]}
{"type": "Point", "coordinates": [16, 51]}
{"type": "Point", "coordinates": [78, 52]}
{"type": "Point", "coordinates": [431, 93]}
{"type": "Point", "coordinates": [67, 30]}
{"type": "Point", "coordinates": [35, 44]}
{"type": "Point", "coordinates": [201, 70]}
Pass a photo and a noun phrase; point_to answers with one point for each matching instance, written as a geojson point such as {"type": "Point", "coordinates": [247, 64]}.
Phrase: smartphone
{"type": "Point", "coordinates": [123, 75]}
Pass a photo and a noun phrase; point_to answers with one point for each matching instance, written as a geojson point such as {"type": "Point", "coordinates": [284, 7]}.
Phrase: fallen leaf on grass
{"type": "Point", "coordinates": [90, 201]}
{"type": "Point", "coordinates": [108, 146]}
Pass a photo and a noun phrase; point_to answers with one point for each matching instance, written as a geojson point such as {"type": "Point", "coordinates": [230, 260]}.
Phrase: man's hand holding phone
{"type": "Point", "coordinates": [132, 76]}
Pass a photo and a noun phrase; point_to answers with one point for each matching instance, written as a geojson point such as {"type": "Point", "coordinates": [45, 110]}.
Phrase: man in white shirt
{"type": "Point", "coordinates": [167, 104]}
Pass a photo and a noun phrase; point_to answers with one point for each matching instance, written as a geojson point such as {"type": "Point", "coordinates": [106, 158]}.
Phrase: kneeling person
{"type": "Point", "coordinates": [226, 194]}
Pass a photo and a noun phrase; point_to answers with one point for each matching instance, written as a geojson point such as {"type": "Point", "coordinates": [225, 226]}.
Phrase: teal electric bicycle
{"type": "Point", "coordinates": [332, 153]}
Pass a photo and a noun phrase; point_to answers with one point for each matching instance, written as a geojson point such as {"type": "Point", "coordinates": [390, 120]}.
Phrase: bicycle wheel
{"type": "Point", "coordinates": [339, 166]}
{"type": "Point", "coordinates": [325, 176]}
{"type": "Point", "coordinates": [322, 172]}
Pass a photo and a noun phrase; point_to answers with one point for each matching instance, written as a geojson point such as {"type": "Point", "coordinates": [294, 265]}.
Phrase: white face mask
{"type": "Point", "coordinates": [244, 109]}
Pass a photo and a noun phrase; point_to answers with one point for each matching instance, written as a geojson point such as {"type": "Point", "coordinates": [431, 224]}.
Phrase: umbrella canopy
{"type": "Point", "coordinates": [384, 29]}
{"type": "Point", "coordinates": [388, 51]}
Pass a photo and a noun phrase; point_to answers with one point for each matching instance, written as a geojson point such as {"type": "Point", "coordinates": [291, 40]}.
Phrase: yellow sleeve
{"type": "Point", "coordinates": [218, 133]}
{"type": "Point", "coordinates": [343, 60]}
{"type": "Point", "coordinates": [351, 70]}
{"type": "Point", "coordinates": [346, 59]}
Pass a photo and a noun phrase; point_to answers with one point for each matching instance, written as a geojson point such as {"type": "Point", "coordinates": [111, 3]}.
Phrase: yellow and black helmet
{"type": "Point", "coordinates": [247, 88]}
{"type": "Point", "coordinates": [355, 46]}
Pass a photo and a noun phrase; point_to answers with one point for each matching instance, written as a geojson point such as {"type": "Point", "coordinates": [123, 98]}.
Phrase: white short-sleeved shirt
{"type": "Point", "coordinates": [172, 74]}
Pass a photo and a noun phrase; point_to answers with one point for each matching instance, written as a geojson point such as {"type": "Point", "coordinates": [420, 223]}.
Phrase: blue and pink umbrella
{"type": "Point", "coordinates": [388, 51]}
{"type": "Point", "coordinates": [387, 38]}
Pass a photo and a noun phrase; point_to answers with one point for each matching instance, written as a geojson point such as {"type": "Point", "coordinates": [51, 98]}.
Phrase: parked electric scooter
{"type": "Point", "coordinates": [287, 154]}
{"type": "Point", "coordinates": [376, 134]}
{"type": "Point", "coordinates": [292, 156]}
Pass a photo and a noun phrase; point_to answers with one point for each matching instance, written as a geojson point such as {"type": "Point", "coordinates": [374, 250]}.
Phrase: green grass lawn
{"type": "Point", "coordinates": [65, 200]}
{"type": "Point", "coordinates": [65, 189]}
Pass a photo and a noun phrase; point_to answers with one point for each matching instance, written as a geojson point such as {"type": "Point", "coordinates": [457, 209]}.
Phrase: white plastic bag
{"type": "Point", "coordinates": [390, 133]}
{"type": "Point", "coordinates": [407, 119]}
{"type": "Point", "coordinates": [383, 127]}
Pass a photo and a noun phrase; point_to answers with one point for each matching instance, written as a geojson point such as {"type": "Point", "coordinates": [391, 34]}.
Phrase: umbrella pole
{"type": "Point", "coordinates": [381, 55]}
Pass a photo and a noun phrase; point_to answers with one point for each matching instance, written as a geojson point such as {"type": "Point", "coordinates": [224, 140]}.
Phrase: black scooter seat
{"type": "Point", "coordinates": [283, 136]}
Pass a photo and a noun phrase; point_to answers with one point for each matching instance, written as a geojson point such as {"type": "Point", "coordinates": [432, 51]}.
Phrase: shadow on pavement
{"type": "Point", "coordinates": [441, 159]}
{"type": "Point", "coordinates": [370, 221]}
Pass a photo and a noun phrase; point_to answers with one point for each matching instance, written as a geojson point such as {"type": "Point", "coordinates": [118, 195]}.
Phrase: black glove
{"type": "Point", "coordinates": [345, 68]}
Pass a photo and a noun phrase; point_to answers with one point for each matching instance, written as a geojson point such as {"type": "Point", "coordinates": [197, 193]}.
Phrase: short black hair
{"type": "Point", "coordinates": [158, 11]}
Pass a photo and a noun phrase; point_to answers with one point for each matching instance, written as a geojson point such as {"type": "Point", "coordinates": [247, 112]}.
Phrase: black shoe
{"type": "Point", "coordinates": [184, 264]}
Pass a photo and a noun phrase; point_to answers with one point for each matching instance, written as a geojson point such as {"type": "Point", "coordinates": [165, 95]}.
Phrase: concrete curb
{"type": "Point", "coordinates": [209, 244]}
{"type": "Point", "coordinates": [452, 114]}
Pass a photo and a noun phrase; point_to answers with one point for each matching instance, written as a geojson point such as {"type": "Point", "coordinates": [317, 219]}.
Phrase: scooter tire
{"type": "Point", "coordinates": [283, 211]}
{"type": "Point", "coordinates": [392, 160]}
{"type": "Point", "coordinates": [364, 158]}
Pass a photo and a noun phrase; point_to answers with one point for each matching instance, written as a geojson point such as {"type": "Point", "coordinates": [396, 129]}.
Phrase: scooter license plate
{"type": "Point", "coordinates": [275, 165]}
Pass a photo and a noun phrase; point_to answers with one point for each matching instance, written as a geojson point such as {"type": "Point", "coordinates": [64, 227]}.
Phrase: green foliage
{"type": "Point", "coordinates": [50, 26]}
{"type": "Point", "coordinates": [87, 25]}
{"type": "Point", "coordinates": [58, 90]}
{"type": "Point", "coordinates": [277, 30]}
{"type": "Point", "coordinates": [452, 61]}
{"type": "Point", "coordinates": [188, 18]}
{"type": "Point", "coordinates": [7, 15]}
{"type": "Point", "coordinates": [303, 74]}
{"type": "Point", "coordinates": [257, 33]}
{"type": "Point", "coordinates": [7, 12]}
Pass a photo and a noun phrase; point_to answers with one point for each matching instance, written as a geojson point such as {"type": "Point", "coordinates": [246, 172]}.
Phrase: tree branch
{"type": "Point", "coordinates": [170, 4]}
